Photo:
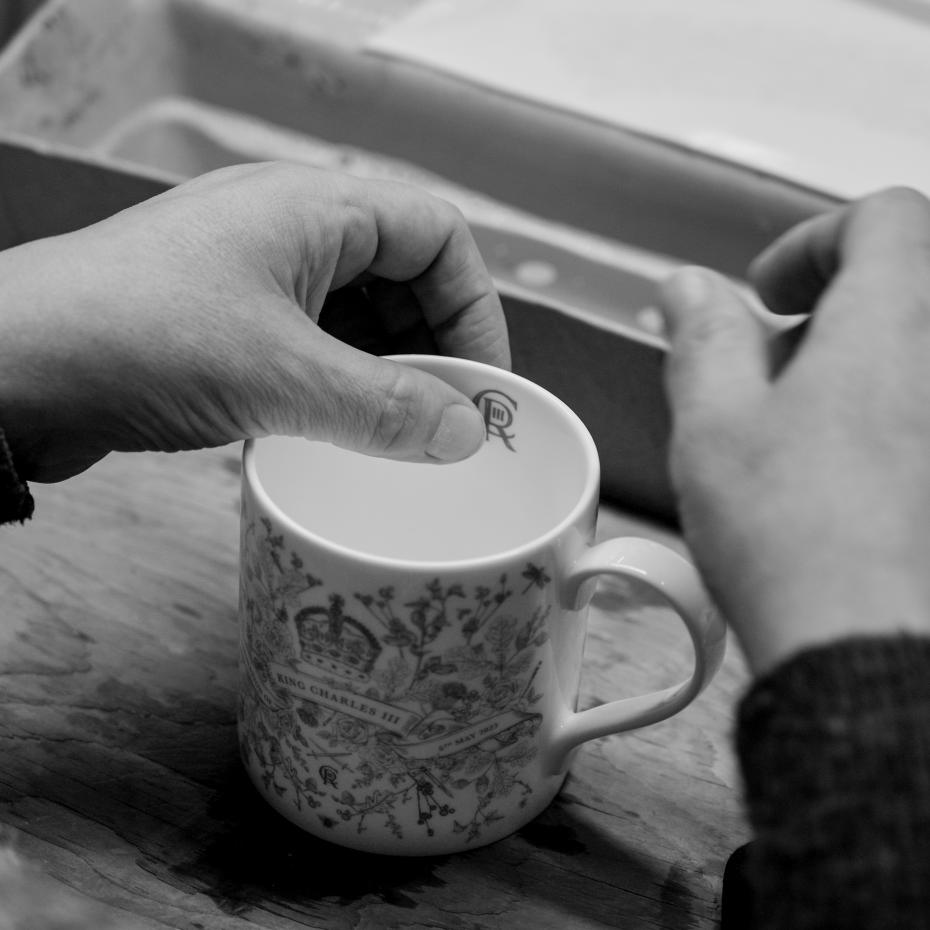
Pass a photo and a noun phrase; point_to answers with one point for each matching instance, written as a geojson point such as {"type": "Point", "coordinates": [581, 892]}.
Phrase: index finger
{"type": "Point", "coordinates": [883, 238]}
{"type": "Point", "coordinates": [425, 242]}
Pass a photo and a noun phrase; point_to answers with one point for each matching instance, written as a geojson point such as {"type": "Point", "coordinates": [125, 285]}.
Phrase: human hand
{"type": "Point", "coordinates": [190, 320]}
{"type": "Point", "coordinates": [804, 483]}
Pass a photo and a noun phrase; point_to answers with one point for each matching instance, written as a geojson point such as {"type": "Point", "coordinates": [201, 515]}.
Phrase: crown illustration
{"type": "Point", "coordinates": [331, 640]}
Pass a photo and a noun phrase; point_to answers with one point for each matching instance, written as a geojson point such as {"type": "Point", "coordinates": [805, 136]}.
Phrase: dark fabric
{"type": "Point", "coordinates": [736, 897]}
{"type": "Point", "coordinates": [835, 751]}
{"type": "Point", "coordinates": [16, 503]}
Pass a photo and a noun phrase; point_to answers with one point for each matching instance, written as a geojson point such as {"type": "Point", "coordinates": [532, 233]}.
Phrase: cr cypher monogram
{"type": "Point", "coordinates": [498, 409]}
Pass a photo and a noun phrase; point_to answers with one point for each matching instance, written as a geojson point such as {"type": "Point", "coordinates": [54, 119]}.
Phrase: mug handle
{"type": "Point", "coordinates": [676, 579]}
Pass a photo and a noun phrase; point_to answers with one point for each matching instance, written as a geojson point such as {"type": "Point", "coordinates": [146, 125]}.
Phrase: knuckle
{"type": "Point", "coordinates": [286, 186]}
{"type": "Point", "coordinates": [397, 407]}
{"type": "Point", "coordinates": [903, 196]}
{"type": "Point", "coordinates": [452, 214]}
{"type": "Point", "coordinates": [896, 201]}
{"type": "Point", "coordinates": [283, 172]}
{"type": "Point", "coordinates": [446, 219]}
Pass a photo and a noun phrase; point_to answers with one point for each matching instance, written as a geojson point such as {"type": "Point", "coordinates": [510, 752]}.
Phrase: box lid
{"type": "Point", "coordinates": [830, 94]}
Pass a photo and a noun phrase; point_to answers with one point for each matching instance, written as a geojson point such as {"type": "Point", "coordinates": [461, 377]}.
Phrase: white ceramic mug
{"type": "Point", "coordinates": [412, 635]}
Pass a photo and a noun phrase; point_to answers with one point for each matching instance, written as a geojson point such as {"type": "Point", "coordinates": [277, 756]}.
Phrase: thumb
{"type": "Point", "coordinates": [718, 354]}
{"type": "Point", "coordinates": [389, 409]}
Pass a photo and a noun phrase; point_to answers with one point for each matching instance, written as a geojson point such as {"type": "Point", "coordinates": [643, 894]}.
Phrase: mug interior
{"type": "Point", "coordinates": [537, 466]}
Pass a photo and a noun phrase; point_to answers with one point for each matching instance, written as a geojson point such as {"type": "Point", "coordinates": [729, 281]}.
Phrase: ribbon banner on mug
{"type": "Point", "coordinates": [452, 737]}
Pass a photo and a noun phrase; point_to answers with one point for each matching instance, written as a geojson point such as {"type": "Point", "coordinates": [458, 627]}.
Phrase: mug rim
{"type": "Point", "coordinates": [590, 489]}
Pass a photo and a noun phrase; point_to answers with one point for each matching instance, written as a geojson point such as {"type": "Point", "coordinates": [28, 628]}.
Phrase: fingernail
{"type": "Point", "coordinates": [459, 435]}
{"type": "Point", "coordinates": [692, 287]}
{"type": "Point", "coordinates": [685, 291]}
{"type": "Point", "coordinates": [688, 288]}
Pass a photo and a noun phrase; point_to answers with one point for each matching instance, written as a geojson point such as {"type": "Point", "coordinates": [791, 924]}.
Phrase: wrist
{"type": "Point", "coordinates": [778, 628]}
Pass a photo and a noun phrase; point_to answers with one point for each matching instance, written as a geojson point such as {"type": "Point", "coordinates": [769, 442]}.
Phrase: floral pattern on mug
{"type": "Point", "coordinates": [359, 708]}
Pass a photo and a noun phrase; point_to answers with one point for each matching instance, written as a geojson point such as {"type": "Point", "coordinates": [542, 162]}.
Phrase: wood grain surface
{"type": "Point", "coordinates": [120, 779]}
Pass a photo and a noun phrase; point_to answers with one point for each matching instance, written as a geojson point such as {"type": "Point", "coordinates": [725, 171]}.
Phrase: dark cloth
{"type": "Point", "coordinates": [16, 503]}
{"type": "Point", "coordinates": [835, 751]}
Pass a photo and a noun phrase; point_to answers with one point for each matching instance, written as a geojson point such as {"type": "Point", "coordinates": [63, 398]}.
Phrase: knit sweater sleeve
{"type": "Point", "coordinates": [16, 503]}
{"type": "Point", "coordinates": [835, 751]}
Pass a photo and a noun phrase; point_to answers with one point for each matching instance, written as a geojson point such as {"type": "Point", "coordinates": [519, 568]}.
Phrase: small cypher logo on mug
{"type": "Point", "coordinates": [498, 409]}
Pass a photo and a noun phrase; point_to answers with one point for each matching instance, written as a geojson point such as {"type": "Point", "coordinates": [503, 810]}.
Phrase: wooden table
{"type": "Point", "coordinates": [119, 774]}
